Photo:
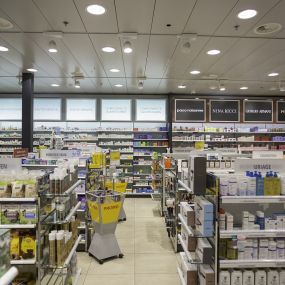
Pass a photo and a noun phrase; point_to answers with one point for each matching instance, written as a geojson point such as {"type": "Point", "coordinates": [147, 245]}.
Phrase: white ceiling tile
{"type": "Point", "coordinates": [235, 55]}
{"type": "Point", "coordinates": [227, 27]}
{"type": "Point", "coordinates": [160, 52]}
{"type": "Point", "coordinates": [25, 14]}
{"type": "Point", "coordinates": [135, 62]}
{"type": "Point", "coordinates": [139, 20]}
{"type": "Point", "coordinates": [180, 61]}
{"type": "Point", "coordinates": [171, 12]}
{"type": "Point", "coordinates": [212, 11]}
{"type": "Point", "coordinates": [82, 49]}
{"type": "Point", "coordinates": [260, 55]}
{"type": "Point", "coordinates": [106, 23]}
{"type": "Point", "coordinates": [56, 12]}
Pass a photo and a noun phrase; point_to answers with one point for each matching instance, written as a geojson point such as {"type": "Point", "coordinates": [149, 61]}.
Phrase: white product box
{"type": "Point", "coordinates": [188, 213]}
{"type": "Point", "coordinates": [224, 278]}
{"type": "Point", "coordinates": [282, 277]}
{"type": "Point", "coordinates": [236, 277]}
{"type": "Point", "coordinates": [206, 275]}
{"type": "Point", "coordinates": [248, 277]}
{"type": "Point", "coordinates": [229, 222]}
{"type": "Point", "coordinates": [263, 249]}
{"type": "Point", "coordinates": [260, 277]}
{"type": "Point", "coordinates": [189, 271]}
{"type": "Point", "coordinates": [204, 250]}
{"type": "Point", "coordinates": [273, 277]}
{"type": "Point", "coordinates": [189, 241]}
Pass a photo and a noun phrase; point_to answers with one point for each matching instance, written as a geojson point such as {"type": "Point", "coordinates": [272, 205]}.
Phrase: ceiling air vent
{"type": "Point", "coordinates": [268, 28]}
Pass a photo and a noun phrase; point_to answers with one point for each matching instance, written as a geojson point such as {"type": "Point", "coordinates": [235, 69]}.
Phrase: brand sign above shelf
{"type": "Point", "coordinates": [190, 110]}
{"type": "Point", "coordinates": [224, 110]}
{"type": "Point", "coordinates": [258, 111]}
{"type": "Point", "coordinates": [280, 111]}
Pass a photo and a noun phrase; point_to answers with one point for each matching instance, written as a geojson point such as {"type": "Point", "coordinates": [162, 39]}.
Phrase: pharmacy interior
{"type": "Point", "coordinates": [142, 142]}
{"type": "Point", "coordinates": [213, 169]}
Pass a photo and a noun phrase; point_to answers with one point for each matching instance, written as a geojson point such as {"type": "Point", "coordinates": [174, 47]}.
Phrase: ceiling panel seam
{"type": "Point", "coordinates": [89, 36]}
{"type": "Point", "coordinates": [122, 56]}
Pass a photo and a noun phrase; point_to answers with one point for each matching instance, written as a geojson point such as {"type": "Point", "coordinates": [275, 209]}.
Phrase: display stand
{"type": "Point", "coordinates": [104, 207]}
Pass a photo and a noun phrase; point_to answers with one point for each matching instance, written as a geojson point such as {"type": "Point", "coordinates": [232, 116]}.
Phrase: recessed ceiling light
{"type": "Point", "coordinates": [108, 49]}
{"type": "Point", "coordinates": [213, 87]}
{"type": "Point", "coordinates": [247, 14]}
{"type": "Point", "coordinates": [5, 24]}
{"type": "Point", "coordinates": [32, 70]}
{"type": "Point", "coordinates": [272, 88]}
{"type": "Point", "coordinates": [195, 72]}
{"type": "Point", "coordinates": [95, 9]}
{"type": "Point", "coordinates": [118, 85]}
{"type": "Point", "coordinates": [2, 48]}
{"type": "Point", "coordinates": [55, 85]}
{"type": "Point", "coordinates": [114, 70]}
{"type": "Point", "coordinates": [52, 47]}
{"type": "Point", "coordinates": [181, 86]}
{"type": "Point", "coordinates": [272, 74]}
{"type": "Point", "coordinates": [197, 98]}
{"type": "Point", "coordinates": [213, 52]}
{"type": "Point", "coordinates": [222, 88]}
{"type": "Point", "coordinates": [243, 88]}
{"type": "Point", "coordinates": [245, 99]}
{"type": "Point", "coordinates": [128, 47]}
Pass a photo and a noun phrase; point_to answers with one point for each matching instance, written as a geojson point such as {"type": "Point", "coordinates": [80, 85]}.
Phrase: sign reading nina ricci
{"type": "Point", "coordinates": [224, 110]}
{"type": "Point", "coordinates": [190, 110]}
{"type": "Point", "coordinates": [258, 111]}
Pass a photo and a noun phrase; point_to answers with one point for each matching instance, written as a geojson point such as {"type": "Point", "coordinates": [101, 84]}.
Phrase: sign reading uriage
{"type": "Point", "coordinates": [189, 110]}
{"type": "Point", "coordinates": [258, 111]}
{"type": "Point", "coordinates": [224, 111]}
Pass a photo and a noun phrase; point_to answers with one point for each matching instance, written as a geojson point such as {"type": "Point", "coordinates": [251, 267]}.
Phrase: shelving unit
{"type": "Point", "coordinates": [244, 137]}
{"type": "Point", "coordinates": [237, 207]}
{"type": "Point", "coordinates": [10, 137]}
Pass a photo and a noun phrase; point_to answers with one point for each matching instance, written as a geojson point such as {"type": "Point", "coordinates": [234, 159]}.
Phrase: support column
{"type": "Point", "coordinates": [27, 110]}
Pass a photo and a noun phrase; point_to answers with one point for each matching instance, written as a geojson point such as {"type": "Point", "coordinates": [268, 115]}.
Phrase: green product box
{"type": "Point", "coordinates": [28, 214]}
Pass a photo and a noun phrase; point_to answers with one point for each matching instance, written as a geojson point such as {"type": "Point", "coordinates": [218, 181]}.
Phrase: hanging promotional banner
{"type": "Point", "coordinates": [258, 111]}
{"type": "Point", "coordinates": [280, 111]}
{"type": "Point", "coordinates": [10, 109]}
{"type": "Point", "coordinates": [190, 110]}
{"type": "Point", "coordinates": [151, 110]}
{"type": "Point", "coordinates": [81, 109]}
{"type": "Point", "coordinates": [47, 109]}
{"type": "Point", "coordinates": [224, 111]}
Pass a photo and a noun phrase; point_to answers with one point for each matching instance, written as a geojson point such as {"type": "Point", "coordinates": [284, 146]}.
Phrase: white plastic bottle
{"type": "Point", "coordinates": [225, 278]}
{"type": "Point", "coordinates": [236, 278]}
{"type": "Point", "coordinates": [260, 277]}
{"type": "Point", "coordinates": [248, 277]}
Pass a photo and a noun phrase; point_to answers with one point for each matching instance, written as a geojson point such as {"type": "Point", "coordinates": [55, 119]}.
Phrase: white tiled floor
{"type": "Point", "coordinates": [148, 253]}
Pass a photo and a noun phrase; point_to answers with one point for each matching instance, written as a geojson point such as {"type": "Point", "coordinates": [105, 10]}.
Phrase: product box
{"type": "Point", "coordinates": [28, 214]}
{"type": "Point", "coordinates": [224, 278]}
{"type": "Point", "coordinates": [206, 228]}
{"type": "Point", "coordinates": [204, 250]}
{"type": "Point", "coordinates": [259, 186]}
{"type": "Point", "coordinates": [263, 248]}
{"type": "Point", "coordinates": [188, 213]}
{"type": "Point", "coordinates": [190, 242]}
{"type": "Point", "coordinates": [273, 277]}
{"type": "Point", "coordinates": [28, 246]}
{"type": "Point", "coordinates": [10, 214]}
{"type": "Point", "coordinates": [248, 277]}
{"type": "Point", "coordinates": [229, 222]}
{"type": "Point", "coordinates": [282, 277]}
{"type": "Point", "coordinates": [236, 277]}
{"type": "Point", "coordinates": [189, 271]}
{"type": "Point", "coordinates": [206, 275]}
{"type": "Point", "coordinates": [260, 277]}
